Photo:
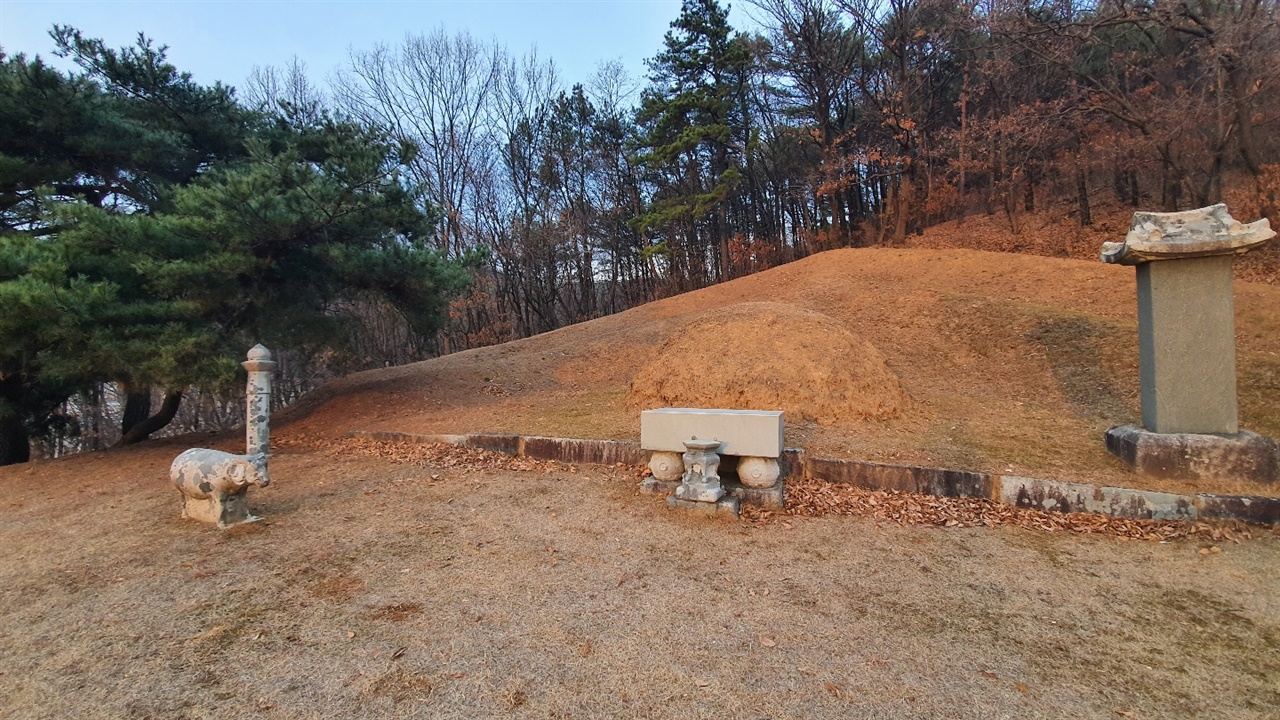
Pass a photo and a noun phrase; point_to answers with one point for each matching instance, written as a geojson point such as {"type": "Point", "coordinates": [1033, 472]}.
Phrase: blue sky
{"type": "Point", "coordinates": [224, 39]}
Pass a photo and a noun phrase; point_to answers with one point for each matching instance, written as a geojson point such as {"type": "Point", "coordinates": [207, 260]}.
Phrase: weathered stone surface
{"type": "Point", "coordinates": [508, 444]}
{"type": "Point", "coordinates": [876, 476]}
{"type": "Point", "coordinates": [724, 507]}
{"type": "Point", "coordinates": [654, 486]}
{"type": "Point", "coordinates": [258, 396]}
{"type": "Point", "coordinates": [1186, 346]}
{"type": "Point", "coordinates": [773, 496]}
{"type": "Point", "coordinates": [1204, 232]}
{"type": "Point", "coordinates": [1192, 456]}
{"type": "Point", "coordinates": [755, 433]}
{"type": "Point", "coordinates": [1186, 343]}
{"type": "Point", "coordinates": [758, 472]}
{"type": "Point", "coordinates": [791, 463]}
{"type": "Point", "coordinates": [1081, 497]}
{"type": "Point", "coordinates": [598, 452]}
{"type": "Point", "coordinates": [1262, 510]}
{"type": "Point", "coordinates": [666, 466]}
{"type": "Point", "coordinates": [213, 484]}
{"type": "Point", "coordinates": [701, 482]}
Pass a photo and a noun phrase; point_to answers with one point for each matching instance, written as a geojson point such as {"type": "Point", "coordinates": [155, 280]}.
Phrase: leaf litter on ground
{"type": "Point", "coordinates": [815, 497]}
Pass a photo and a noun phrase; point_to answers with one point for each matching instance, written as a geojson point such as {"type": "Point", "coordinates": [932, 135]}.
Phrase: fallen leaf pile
{"type": "Point", "coordinates": [813, 497]}
{"type": "Point", "coordinates": [441, 455]}
{"type": "Point", "coordinates": [438, 455]}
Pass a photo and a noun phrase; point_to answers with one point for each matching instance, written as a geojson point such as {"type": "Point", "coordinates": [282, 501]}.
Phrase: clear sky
{"type": "Point", "coordinates": [224, 39]}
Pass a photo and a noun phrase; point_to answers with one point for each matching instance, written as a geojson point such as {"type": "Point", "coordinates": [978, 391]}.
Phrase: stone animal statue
{"type": "Point", "coordinates": [214, 484]}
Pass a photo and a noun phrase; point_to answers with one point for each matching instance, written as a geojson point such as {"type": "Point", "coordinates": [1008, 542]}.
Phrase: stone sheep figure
{"type": "Point", "coordinates": [214, 484]}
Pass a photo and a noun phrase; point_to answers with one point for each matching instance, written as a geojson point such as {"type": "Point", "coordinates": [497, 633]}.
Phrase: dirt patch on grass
{"type": "Point", "coordinates": [770, 356]}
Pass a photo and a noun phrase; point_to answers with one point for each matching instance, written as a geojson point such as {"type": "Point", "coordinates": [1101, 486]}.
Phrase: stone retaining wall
{"type": "Point", "coordinates": [1009, 489]}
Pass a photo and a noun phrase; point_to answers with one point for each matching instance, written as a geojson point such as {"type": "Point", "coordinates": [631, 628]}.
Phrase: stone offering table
{"type": "Point", "coordinates": [1186, 347]}
{"type": "Point", "coordinates": [749, 440]}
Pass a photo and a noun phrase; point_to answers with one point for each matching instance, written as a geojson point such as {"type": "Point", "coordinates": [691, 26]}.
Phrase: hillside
{"type": "Point", "coordinates": [1009, 363]}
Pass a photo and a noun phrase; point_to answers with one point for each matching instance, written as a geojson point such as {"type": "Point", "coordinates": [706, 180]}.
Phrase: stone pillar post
{"type": "Point", "coordinates": [1186, 347]}
{"type": "Point", "coordinates": [258, 400]}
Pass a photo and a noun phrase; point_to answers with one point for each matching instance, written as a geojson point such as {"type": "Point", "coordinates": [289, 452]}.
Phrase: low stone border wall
{"type": "Point", "coordinates": [1008, 489]}
{"type": "Point", "coordinates": [569, 450]}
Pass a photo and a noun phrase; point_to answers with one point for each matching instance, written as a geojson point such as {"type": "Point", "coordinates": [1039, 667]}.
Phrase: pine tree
{"type": "Point", "coordinates": [150, 269]}
{"type": "Point", "coordinates": [694, 122]}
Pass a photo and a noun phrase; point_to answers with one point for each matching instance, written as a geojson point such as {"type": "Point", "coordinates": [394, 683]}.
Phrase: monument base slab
{"type": "Point", "coordinates": [726, 506]}
{"type": "Point", "coordinates": [773, 496]}
{"type": "Point", "coordinates": [655, 486]}
{"type": "Point", "coordinates": [1190, 456]}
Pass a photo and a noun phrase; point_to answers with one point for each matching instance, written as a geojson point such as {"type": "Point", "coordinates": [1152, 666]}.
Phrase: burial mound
{"type": "Point", "coordinates": [766, 356]}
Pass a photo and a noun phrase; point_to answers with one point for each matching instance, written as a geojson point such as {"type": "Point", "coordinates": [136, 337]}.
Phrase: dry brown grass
{"type": "Point", "coordinates": [377, 589]}
{"type": "Point", "coordinates": [1012, 364]}
{"type": "Point", "coordinates": [424, 585]}
{"type": "Point", "coordinates": [770, 356]}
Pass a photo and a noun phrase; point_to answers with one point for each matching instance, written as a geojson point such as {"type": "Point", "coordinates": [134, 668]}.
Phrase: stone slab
{"type": "Point", "coordinates": [654, 486]}
{"type": "Point", "coordinates": [509, 444]}
{"type": "Point", "coordinates": [877, 476]}
{"type": "Point", "coordinates": [582, 452]}
{"type": "Point", "coordinates": [1163, 236]}
{"type": "Point", "coordinates": [745, 433]}
{"type": "Point", "coordinates": [770, 497]}
{"type": "Point", "coordinates": [726, 506]}
{"type": "Point", "coordinates": [1194, 456]}
{"type": "Point", "coordinates": [791, 463]}
{"type": "Point", "coordinates": [1261, 510]}
{"type": "Point", "coordinates": [1187, 346]}
{"type": "Point", "coordinates": [1082, 497]}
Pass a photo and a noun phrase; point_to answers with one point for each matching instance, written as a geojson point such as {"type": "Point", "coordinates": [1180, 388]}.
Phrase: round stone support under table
{"type": "Point", "coordinates": [758, 472]}
{"type": "Point", "coordinates": [666, 466]}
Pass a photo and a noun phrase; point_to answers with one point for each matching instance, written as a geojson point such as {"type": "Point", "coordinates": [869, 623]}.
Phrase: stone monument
{"type": "Point", "coordinates": [1186, 348]}
{"type": "Point", "coordinates": [214, 484]}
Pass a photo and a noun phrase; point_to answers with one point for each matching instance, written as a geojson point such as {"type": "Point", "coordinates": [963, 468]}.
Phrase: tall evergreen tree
{"type": "Point", "coordinates": [159, 274]}
{"type": "Point", "coordinates": [693, 118]}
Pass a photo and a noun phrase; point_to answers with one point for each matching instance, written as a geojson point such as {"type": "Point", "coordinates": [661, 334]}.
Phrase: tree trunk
{"type": "Point", "coordinates": [142, 430]}
{"type": "Point", "coordinates": [15, 444]}
{"type": "Point", "coordinates": [902, 209]}
{"type": "Point", "coordinates": [137, 407]}
{"type": "Point", "coordinates": [1170, 183]}
{"type": "Point", "coordinates": [1120, 182]}
{"type": "Point", "coordinates": [964, 151]}
{"type": "Point", "coordinates": [1135, 197]}
{"type": "Point", "coordinates": [1082, 195]}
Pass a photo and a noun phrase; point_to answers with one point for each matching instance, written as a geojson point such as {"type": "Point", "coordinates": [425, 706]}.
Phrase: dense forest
{"type": "Point", "coordinates": [151, 228]}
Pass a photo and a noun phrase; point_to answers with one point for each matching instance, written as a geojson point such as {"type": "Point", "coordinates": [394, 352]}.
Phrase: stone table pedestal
{"type": "Point", "coordinates": [701, 472]}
